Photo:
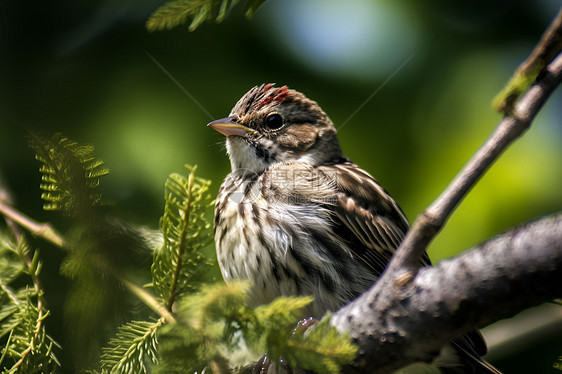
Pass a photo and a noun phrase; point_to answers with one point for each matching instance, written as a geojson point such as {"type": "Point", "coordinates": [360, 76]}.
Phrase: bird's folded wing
{"type": "Point", "coordinates": [366, 215]}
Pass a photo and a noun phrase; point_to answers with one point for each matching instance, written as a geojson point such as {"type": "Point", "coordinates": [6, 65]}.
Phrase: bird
{"type": "Point", "coordinates": [296, 217]}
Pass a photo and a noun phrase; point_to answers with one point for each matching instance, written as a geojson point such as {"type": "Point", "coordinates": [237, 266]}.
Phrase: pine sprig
{"type": "Point", "coordinates": [321, 349]}
{"type": "Point", "coordinates": [70, 175]}
{"type": "Point", "coordinates": [178, 12]}
{"type": "Point", "coordinates": [26, 347]}
{"type": "Point", "coordinates": [219, 328]}
{"type": "Point", "coordinates": [215, 327]}
{"type": "Point", "coordinates": [179, 263]}
{"type": "Point", "coordinates": [133, 348]}
{"type": "Point", "coordinates": [202, 329]}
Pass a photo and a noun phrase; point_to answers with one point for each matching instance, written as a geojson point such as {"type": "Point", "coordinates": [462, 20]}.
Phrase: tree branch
{"type": "Point", "coordinates": [410, 313]}
{"type": "Point", "coordinates": [38, 229]}
{"type": "Point", "coordinates": [545, 51]}
{"type": "Point", "coordinates": [406, 260]}
{"type": "Point", "coordinates": [46, 232]}
{"type": "Point", "coordinates": [402, 325]}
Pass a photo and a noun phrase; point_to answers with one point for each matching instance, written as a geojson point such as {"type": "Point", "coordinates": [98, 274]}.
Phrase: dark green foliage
{"type": "Point", "coordinates": [558, 364]}
{"type": "Point", "coordinates": [132, 349]}
{"type": "Point", "coordinates": [178, 12]}
{"type": "Point", "coordinates": [25, 345]}
{"type": "Point", "coordinates": [179, 263]}
{"type": "Point", "coordinates": [252, 6]}
{"type": "Point", "coordinates": [190, 325]}
{"type": "Point", "coordinates": [221, 329]}
{"type": "Point", "coordinates": [70, 175]}
{"type": "Point", "coordinates": [99, 252]}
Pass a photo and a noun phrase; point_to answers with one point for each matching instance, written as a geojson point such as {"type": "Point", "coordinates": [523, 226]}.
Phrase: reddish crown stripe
{"type": "Point", "coordinates": [277, 95]}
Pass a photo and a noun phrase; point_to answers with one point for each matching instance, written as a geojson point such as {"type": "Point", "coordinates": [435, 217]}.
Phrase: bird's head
{"type": "Point", "coordinates": [275, 124]}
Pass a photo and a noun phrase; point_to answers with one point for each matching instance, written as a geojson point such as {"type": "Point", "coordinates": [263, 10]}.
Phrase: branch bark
{"type": "Point", "coordinates": [545, 51]}
{"type": "Point", "coordinates": [410, 313]}
{"type": "Point", "coordinates": [405, 262]}
{"type": "Point", "coordinates": [398, 326]}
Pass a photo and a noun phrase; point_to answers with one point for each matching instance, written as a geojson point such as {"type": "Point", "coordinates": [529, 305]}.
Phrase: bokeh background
{"type": "Point", "coordinates": [409, 85]}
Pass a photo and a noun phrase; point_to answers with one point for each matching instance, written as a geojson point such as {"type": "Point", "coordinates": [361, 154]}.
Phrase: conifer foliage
{"type": "Point", "coordinates": [26, 346]}
{"type": "Point", "coordinates": [178, 12]}
{"type": "Point", "coordinates": [187, 324]}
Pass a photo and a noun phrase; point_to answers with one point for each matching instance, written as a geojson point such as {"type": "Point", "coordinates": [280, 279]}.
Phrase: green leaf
{"type": "Point", "coordinates": [70, 175]}
{"type": "Point", "coordinates": [179, 12]}
{"type": "Point", "coordinates": [132, 349]}
{"type": "Point", "coordinates": [179, 263]}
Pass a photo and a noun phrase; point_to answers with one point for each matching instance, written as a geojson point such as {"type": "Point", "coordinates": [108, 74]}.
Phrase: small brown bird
{"type": "Point", "coordinates": [296, 217]}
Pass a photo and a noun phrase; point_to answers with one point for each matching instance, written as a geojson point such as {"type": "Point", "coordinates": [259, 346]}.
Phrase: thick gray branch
{"type": "Point", "coordinates": [410, 313]}
{"type": "Point", "coordinates": [398, 324]}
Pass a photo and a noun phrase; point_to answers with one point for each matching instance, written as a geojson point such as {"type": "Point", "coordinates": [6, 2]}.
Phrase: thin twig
{"type": "Point", "coordinates": [148, 299]}
{"type": "Point", "coordinates": [38, 229]}
{"type": "Point", "coordinates": [546, 50]}
{"type": "Point", "coordinates": [48, 233]}
{"type": "Point", "coordinates": [405, 262]}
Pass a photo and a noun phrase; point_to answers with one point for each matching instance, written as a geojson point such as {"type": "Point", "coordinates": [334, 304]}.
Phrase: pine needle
{"type": "Point", "coordinates": [179, 263]}
{"type": "Point", "coordinates": [179, 12]}
{"type": "Point", "coordinates": [133, 348]}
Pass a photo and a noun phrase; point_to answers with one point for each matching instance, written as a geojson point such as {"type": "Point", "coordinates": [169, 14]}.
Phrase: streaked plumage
{"type": "Point", "coordinates": [296, 217]}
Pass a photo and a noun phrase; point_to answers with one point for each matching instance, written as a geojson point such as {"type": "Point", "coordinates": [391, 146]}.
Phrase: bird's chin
{"type": "Point", "coordinates": [243, 157]}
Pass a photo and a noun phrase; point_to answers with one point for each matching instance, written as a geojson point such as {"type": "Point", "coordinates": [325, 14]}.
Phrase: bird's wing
{"type": "Point", "coordinates": [366, 215]}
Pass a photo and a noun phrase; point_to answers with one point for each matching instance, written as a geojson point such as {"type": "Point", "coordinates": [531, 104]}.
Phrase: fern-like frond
{"type": "Point", "coordinates": [179, 263]}
{"type": "Point", "coordinates": [133, 349]}
{"type": "Point", "coordinates": [70, 174]}
{"type": "Point", "coordinates": [178, 12]}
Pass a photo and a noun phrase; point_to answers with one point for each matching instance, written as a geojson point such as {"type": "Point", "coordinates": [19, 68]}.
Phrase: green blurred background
{"type": "Point", "coordinates": [90, 70]}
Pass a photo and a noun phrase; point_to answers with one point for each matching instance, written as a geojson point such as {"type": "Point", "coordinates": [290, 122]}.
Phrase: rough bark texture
{"type": "Point", "coordinates": [399, 322]}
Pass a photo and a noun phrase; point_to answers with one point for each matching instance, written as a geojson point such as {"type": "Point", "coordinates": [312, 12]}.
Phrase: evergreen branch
{"type": "Point", "coordinates": [149, 300]}
{"type": "Point", "coordinates": [70, 175]}
{"type": "Point", "coordinates": [178, 12]}
{"type": "Point", "coordinates": [182, 237]}
{"type": "Point", "coordinates": [28, 345]}
{"type": "Point", "coordinates": [47, 232]}
{"type": "Point", "coordinates": [221, 330]}
{"type": "Point", "coordinates": [549, 46]}
{"type": "Point", "coordinates": [322, 349]}
{"type": "Point", "coordinates": [33, 268]}
{"type": "Point", "coordinates": [132, 348]}
{"type": "Point", "coordinates": [179, 262]}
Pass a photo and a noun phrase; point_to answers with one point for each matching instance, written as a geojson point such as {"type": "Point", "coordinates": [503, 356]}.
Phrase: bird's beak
{"type": "Point", "coordinates": [228, 127]}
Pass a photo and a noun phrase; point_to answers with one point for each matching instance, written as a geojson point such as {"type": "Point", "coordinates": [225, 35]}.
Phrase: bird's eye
{"type": "Point", "coordinates": [274, 121]}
